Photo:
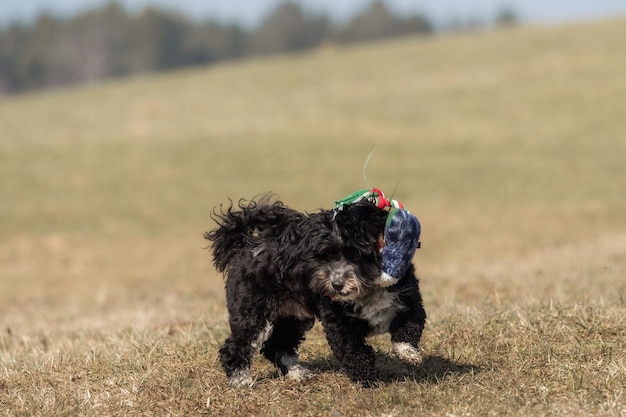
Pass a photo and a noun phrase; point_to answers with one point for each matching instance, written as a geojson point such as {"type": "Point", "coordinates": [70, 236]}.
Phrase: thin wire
{"type": "Point", "coordinates": [365, 167]}
{"type": "Point", "coordinates": [394, 191]}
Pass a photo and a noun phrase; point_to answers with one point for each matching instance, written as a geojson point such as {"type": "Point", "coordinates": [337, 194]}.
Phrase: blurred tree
{"type": "Point", "coordinates": [110, 42]}
{"type": "Point", "coordinates": [288, 28]}
{"type": "Point", "coordinates": [35, 54]}
{"type": "Point", "coordinates": [376, 22]}
{"type": "Point", "coordinates": [212, 41]}
{"type": "Point", "coordinates": [506, 16]}
{"type": "Point", "coordinates": [413, 25]}
{"type": "Point", "coordinates": [157, 40]}
{"type": "Point", "coordinates": [91, 47]}
{"type": "Point", "coordinates": [11, 42]}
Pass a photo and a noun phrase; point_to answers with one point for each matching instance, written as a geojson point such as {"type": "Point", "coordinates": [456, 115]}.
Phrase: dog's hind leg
{"type": "Point", "coordinates": [236, 358]}
{"type": "Point", "coordinates": [281, 348]}
{"type": "Point", "coordinates": [237, 351]}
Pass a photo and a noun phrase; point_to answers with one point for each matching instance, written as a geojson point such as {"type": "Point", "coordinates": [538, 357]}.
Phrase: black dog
{"type": "Point", "coordinates": [284, 268]}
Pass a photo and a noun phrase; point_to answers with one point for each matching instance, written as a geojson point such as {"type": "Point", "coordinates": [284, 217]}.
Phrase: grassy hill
{"type": "Point", "coordinates": [509, 146]}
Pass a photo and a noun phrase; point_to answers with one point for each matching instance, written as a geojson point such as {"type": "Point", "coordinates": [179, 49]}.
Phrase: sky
{"type": "Point", "coordinates": [250, 12]}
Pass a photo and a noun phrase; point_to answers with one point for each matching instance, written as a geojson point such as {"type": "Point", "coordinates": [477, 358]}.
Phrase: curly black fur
{"type": "Point", "coordinates": [284, 268]}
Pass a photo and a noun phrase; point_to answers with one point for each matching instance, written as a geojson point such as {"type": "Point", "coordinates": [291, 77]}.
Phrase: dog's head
{"type": "Point", "coordinates": [348, 259]}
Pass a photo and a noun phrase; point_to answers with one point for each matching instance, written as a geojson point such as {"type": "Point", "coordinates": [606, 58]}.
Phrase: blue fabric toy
{"type": "Point", "coordinates": [400, 237]}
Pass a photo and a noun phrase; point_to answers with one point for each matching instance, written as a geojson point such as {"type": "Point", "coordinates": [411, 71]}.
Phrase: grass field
{"type": "Point", "coordinates": [509, 146]}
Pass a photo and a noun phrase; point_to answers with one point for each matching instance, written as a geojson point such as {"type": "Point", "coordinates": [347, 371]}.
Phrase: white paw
{"type": "Point", "coordinates": [241, 378]}
{"type": "Point", "coordinates": [299, 373]}
{"type": "Point", "coordinates": [408, 353]}
{"type": "Point", "coordinates": [295, 371]}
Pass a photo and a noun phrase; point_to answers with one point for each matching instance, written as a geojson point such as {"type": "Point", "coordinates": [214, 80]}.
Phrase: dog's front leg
{"type": "Point", "coordinates": [346, 338]}
{"type": "Point", "coordinates": [405, 336]}
{"type": "Point", "coordinates": [407, 327]}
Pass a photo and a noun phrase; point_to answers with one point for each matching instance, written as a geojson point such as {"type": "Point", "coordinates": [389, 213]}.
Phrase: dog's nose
{"type": "Point", "coordinates": [337, 285]}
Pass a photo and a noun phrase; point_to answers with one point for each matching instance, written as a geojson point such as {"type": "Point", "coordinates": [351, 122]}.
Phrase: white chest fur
{"type": "Point", "coordinates": [378, 309]}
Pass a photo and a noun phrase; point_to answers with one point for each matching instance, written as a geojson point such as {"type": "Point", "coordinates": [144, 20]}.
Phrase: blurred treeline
{"type": "Point", "coordinates": [111, 42]}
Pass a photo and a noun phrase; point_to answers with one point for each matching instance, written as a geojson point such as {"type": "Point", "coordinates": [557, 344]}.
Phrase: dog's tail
{"type": "Point", "coordinates": [246, 227]}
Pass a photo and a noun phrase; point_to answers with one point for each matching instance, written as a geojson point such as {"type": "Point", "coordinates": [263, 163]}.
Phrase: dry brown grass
{"type": "Point", "coordinates": [508, 146]}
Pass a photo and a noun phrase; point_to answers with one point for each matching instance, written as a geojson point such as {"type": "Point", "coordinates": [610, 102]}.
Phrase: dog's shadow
{"type": "Point", "coordinates": [434, 370]}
